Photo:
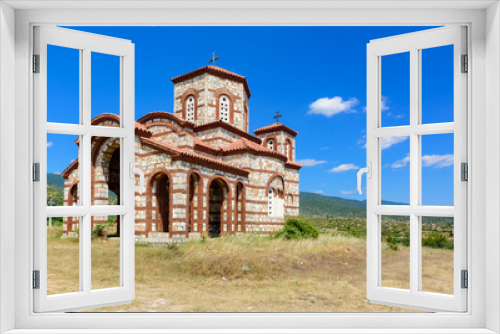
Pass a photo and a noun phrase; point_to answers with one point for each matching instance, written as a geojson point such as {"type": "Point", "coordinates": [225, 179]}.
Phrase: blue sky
{"type": "Point", "coordinates": [315, 76]}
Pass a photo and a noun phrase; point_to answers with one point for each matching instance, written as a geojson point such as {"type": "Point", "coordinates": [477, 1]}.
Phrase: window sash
{"type": "Point", "coordinates": [87, 43]}
{"type": "Point", "coordinates": [413, 43]}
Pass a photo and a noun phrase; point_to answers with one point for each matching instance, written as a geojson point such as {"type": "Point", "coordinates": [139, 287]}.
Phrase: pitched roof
{"type": "Point", "coordinates": [275, 127]}
{"type": "Point", "coordinates": [165, 115]}
{"type": "Point", "coordinates": [140, 129]}
{"type": "Point", "coordinates": [70, 168]}
{"type": "Point", "coordinates": [188, 156]}
{"type": "Point", "coordinates": [226, 126]}
{"type": "Point", "coordinates": [214, 70]}
{"type": "Point", "coordinates": [243, 145]}
{"type": "Point", "coordinates": [293, 165]}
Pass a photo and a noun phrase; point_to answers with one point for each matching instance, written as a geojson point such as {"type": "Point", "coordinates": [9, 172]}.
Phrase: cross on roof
{"type": "Point", "coordinates": [214, 58]}
{"type": "Point", "coordinates": [277, 116]}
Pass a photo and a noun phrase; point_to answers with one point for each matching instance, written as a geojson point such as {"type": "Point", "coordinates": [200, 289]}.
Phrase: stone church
{"type": "Point", "coordinates": [205, 173]}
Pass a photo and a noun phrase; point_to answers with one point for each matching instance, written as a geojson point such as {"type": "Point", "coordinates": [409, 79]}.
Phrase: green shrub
{"type": "Point", "coordinates": [437, 240]}
{"type": "Point", "coordinates": [296, 228]}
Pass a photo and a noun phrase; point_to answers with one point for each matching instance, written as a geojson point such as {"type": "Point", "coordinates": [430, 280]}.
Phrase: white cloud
{"type": "Point", "coordinates": [348, 192]}
{"type": "Point", "coordinates": [57, 173]}
{"type": "Point", "coordinates": [343, 168]}
{"type": "Point", "coordinates": [324, 148]}
{"type": "Point", "coordinates": [384, 103]}
{"type": "Point", "coordinates": [389, 141]}
{"type": "Point", "coordinates": [401, 163]}
{"type": "Point", "coordinates": [49, 144]}
{"type": "Point", "coordinates": [318, 192]}
{"type": "Point", "coordinates": [310, 162]}
{"type": "Point", "coordinates": [436, 161]}
{"type": "Point", "coordinates": [332, 106]}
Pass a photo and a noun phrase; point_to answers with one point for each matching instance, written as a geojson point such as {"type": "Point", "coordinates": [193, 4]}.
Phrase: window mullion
{"type": "Point", "coordinates": [85, 173]}
{"type": "Point", "coordinates": [414, 169]}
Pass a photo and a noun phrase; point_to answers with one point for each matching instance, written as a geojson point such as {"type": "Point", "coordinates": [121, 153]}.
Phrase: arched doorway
{"type": "Point", "coordinates": [217, 207]}
{"type": "Point", "coordinates": [161, 191]}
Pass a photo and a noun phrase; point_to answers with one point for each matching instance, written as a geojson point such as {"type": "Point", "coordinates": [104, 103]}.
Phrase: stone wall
{"type": "Point", "coordinates": [207, 89]}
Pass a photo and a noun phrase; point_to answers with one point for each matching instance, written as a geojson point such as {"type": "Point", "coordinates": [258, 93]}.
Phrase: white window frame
{"type": "Point", "coordinates": [414, 43]}
{"type": "Point", "coordinates": [85, 43]}
{"type": "Point", "coordinates": [484, 148]}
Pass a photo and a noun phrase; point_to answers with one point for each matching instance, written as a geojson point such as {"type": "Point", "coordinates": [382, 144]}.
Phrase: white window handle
{"type": "Point", "coordinates": [368, 171]}
{"type": "Point", "coordinates": [134, 170]}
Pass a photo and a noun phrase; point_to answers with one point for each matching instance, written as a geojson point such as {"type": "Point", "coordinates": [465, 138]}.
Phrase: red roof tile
{"type": "Point", "coordinates": [215, 70]}
{"type": "Point", "coordinates": [188, 156]}
{"type": "Point", "coordinates": [274, 128]}
{"type": "Point", "coordinates": [70, 168]}
{"type": "Point", "coordinates": [140, 129]}
{"type": "Point", "coordinates": [228, 127]}
{"type": "Point", "coordinates": [165, 115]}
{"type": "Point", "coordinates": [242, 145]}
{"type": "Point", "coordinates": [293, 165]}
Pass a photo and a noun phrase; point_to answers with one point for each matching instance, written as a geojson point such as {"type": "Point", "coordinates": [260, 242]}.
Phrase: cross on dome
{"type": "Point", "coordinates": [214, 58]}
{"type": "Point", "coordinates": [277, 116]}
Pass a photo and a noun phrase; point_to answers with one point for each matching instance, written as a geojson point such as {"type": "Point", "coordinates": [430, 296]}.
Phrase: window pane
{"type": "Point", "coordinates": [437, 254]}
{"type": "Point", "coordinates": [437, 169]}
{"type": "Point", "coordinates": [395, 170]}
{"type": "Point", "coordinates": [63, 85]}
{"type": "Point", "coordinates": [437, 84]}
{"type": "Point", "coordinates": [105, 252]}
{"type": "Point", "coordinates": [106, 171]}
{"type": "Point", "coordinates": [105, 84]}
{"type": "Point", "coordinates": [62, 170]}
{"type": "Point", "coordinates": [63, 255]}
{"type": "Point", "coordinates": [395, 95]}
{"type": "Point", "coordinates": [395, 248]}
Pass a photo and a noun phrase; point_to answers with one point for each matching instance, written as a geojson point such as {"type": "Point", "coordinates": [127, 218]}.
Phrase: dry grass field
{"type": "Point", "coordinates": [246, 274]}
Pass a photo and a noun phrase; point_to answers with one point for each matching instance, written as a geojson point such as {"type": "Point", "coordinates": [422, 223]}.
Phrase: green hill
{"type": "Point", "coordinates": [316, 205]}
{"type": "Point", "coordinates": [55, 179]}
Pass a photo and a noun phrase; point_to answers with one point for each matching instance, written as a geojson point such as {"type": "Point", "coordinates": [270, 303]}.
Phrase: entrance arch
{"type": "Point", "coordinates": [218, 199]}
{"type": "Point", "coordinates": [160, 194]}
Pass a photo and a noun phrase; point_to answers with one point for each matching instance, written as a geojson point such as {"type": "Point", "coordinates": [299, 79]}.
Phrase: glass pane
{"type": "Point", "coordinates": [437, 254]}
{"type": "Point", "coordinates": [437, 169]}
{"type": "Point", "coordinates": [63, 255]}
{"type": "Point", "coordinates": [63, 85]}
{"type": "Point", "coordinates": [105, 252]}
{"type": "Point", "coordinates": [106, 171]}
{"type": "Point", "coordinates": [437, 84]}
{"type": "Point", "coordinates": [395, 247]}
{"type": "Point", "coordinates": [105, 84]}
{"type": "Point", "coordinates": [62, 170]}
{"type": "Point", "coordinates": [395, 170]}
{"type": "Point", "coordinates": [395, 93]}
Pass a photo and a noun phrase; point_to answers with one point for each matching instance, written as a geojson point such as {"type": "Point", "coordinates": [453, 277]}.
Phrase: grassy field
{"type": "Point", "coordinates": [246, 274]}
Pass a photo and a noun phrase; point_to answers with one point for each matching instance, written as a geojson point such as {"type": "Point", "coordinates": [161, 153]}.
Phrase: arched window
{"type": "Point", "coordinates": [270, 144]}
{"type": "Point", "coordinates": [289, 149]}
{"type": "Point", "coordinates": [190, 108]}
{"type": "Point", "coordinates": [275, 198]}
{"type": "Point", "coordinates": [224, 108]}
